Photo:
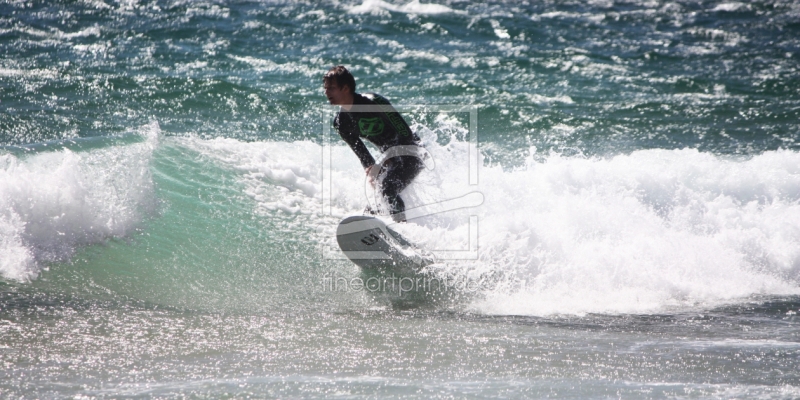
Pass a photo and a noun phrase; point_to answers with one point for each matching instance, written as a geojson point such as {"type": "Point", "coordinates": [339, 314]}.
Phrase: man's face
{"type": "Point", "coordinates": [336, 94]}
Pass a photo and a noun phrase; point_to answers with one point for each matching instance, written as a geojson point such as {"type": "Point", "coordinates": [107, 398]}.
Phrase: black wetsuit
{"type": "Point", "coordinates": [372, 117]}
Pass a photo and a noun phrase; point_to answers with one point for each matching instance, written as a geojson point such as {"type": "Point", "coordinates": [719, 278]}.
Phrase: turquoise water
{"type": "Point", "coordinates": [170, 189]}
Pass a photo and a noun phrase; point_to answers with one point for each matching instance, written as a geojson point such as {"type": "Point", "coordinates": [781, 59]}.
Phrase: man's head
{"type": "Point", "coordinates": [341, 77]}
{"type": "Point", "coordinates": [339, 85]}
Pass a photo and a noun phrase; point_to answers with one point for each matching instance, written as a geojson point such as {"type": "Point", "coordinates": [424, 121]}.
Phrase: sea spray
{"type": "Point", "coordinates": [51, 203]}
{"type": "Point", "coordinates": [631, 233]}
{"type": "Point", "coordinates": [641, 232]}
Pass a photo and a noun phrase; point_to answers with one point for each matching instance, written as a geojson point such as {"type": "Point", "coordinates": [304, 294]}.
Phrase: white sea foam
{"type": "Point", "coordinates": [214, 11]}
{"type": "Point", "coordinates": [55, 33]}
{"type": "Point", "coordinates": [53, 202]}
{"type": "Point", "coordinates": [731, 7]}
{"type": "Point", "coordinates": [413, 7]}
{"type": "Point", "coordinates": [400, 52]}
{"type": "Point", "coordinates": [264, 65]}
{"type": "Point", "coordinates": [91, 31]}
{"type": "Point", "coordinates": [589, 17]}
{"type": "Point", "coordinates": [501, 32]}
{"type": "Point", "coordinates": [632, 233]}
{"type": "Point", "coordinates": [640, 232]}
{"type": "Point", "coordinates": [28, 73]}
{"type": "Point", "coordinates": [730, 38]}
{"type": "Point", "coordinates": [422, 55]}
{"type": "Point", "coordinates": [279, 176]}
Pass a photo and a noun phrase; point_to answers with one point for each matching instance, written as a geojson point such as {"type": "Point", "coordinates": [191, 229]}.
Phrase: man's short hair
{"type": "Point", "coordinates": [341, 76]}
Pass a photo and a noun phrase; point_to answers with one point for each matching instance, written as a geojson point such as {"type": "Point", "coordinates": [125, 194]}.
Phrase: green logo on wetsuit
{"type": "Point", "coordinates": [371, 126]}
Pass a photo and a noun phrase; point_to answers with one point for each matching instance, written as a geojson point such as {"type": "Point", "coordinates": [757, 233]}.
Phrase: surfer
{"type": "Point", "coordinates": [370, 116]}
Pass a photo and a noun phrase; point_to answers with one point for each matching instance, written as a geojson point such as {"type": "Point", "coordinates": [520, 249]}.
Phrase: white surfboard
{"type": "Point", "coordinates": [371, 245]}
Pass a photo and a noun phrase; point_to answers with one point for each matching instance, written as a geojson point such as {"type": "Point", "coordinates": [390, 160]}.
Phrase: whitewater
{"type": "Point", "coordinates": [611, 194]}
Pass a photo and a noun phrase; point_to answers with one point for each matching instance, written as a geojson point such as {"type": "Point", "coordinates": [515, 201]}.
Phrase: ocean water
{"type": "Point", "coordinates": [612, 194]}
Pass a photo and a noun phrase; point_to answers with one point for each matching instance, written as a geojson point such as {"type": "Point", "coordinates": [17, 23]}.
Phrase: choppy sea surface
{"type": "Point", "coordinates": [170, 189]}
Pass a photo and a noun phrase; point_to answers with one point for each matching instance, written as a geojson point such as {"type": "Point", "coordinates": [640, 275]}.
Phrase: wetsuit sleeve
{"type": "Point", "coordinates": [360, 149]}
{"type": "Point", "coordinates": [352, 139]}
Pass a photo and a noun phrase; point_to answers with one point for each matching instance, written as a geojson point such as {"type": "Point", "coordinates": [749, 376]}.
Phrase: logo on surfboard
{"type": "Point", "coordinates": [370, 240]}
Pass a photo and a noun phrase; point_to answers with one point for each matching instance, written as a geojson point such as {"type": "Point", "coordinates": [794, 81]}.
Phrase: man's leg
{"type": "Point", "coordinates": [397, 174]}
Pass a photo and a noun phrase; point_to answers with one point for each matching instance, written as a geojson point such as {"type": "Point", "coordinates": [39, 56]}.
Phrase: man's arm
{"type": "Point", "coordinates": [345, 126]}
{"type": "Point", "coordinates": [361, 151]}
{"type": "Point", "coordinates": [367, 161]}
{"type": "Point", "coordinates": [352, 139]}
